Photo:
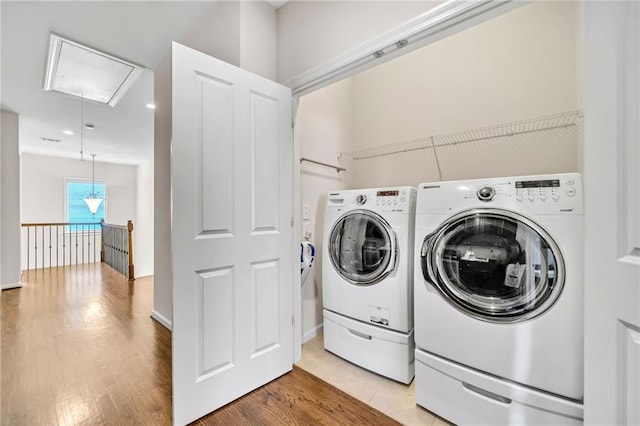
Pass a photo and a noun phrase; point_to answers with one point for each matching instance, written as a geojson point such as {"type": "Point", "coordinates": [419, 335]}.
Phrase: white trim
{"type": "Point", "coordinates": [297, 233]}
{"type": "Point", "coordinates": [162, 320]}
{"type": "Point", "coordinates": [443, 20]}
{"type": "Point", "coordinates": [312, 333]}
{"type": "Point", "coordinates": [10, 286]}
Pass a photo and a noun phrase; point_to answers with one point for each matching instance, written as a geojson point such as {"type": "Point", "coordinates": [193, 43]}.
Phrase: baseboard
{"type": "Point", "coordinates": [311, 334]}
{"type": "Point", "coordinates": [162, 320]}
{"type": "Point", "coordinates": [10, 286]}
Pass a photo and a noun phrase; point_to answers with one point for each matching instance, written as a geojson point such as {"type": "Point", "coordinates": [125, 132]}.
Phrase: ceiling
{"type": "Point", "coordinates": [139, 32]}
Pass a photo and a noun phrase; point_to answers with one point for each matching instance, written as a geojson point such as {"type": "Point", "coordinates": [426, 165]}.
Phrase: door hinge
{"type": "Point", "coordinates": [293, 320]}
{"type": "Point", "coordinates": [292, 221]}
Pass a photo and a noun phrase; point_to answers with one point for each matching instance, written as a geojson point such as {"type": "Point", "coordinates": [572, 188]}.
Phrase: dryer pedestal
{"type": "Point", "coordinates": [386, 352]}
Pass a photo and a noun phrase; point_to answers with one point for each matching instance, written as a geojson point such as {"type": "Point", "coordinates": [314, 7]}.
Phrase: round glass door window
{"type": "Point", "coordinates": [494, 265]}
{"type": "Point", "coordinates": [362, 247]}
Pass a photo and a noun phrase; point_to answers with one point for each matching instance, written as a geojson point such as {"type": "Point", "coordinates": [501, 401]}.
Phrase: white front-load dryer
{"type": "Point", "coordinates": [499, 299]}
{"type": "Point", "coordinates": [367, 279]}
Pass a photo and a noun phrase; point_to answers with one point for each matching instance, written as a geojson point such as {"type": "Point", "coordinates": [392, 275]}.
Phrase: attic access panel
{"type": "Point", "coordinates": [81, 71]}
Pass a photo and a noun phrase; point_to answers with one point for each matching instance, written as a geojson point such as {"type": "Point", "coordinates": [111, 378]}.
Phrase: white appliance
{"type": "Point", "coordinates": [499, 299]}
{"type": "Point", "coordinates": [367, 279]}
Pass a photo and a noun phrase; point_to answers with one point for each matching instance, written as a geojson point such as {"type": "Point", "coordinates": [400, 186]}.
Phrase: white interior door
{"type": "Point", "coordinates": [231, 232]}
{"type": "Point", "coordinates": [612, 213]}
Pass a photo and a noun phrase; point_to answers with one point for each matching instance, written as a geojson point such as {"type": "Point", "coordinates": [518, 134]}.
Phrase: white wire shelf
{"type": "Point", "coordinates": [565, 120]}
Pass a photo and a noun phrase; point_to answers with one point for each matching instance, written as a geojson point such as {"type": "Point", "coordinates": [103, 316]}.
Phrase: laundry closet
{"type": "Point", "coordinates": [502, 98]}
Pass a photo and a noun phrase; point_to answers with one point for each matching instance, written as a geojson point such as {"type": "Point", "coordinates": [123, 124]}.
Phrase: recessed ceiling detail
{"type": "Point", "coordinates": [81, 71]}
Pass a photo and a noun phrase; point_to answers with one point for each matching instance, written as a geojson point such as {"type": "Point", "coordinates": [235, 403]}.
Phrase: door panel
{"type": "Point", "coordinates": [612, 212]}
{"type": "Point", "coordinates": [231, 242]}
{"type": "Point", "coordinates": [215, 121]}
{"type": "Point", "coordinates": [264, 154]}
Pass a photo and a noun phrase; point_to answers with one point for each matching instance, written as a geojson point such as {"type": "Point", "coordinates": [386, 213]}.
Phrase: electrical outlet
{"type": "Point", "coordinates": [306, 230]}
{"type": "Point", "coordinates": [306, 212]}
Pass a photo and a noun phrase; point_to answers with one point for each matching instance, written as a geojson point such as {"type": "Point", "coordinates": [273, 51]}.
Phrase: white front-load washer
{"type": "Point", "coordinates": [499, 299]}
{"type": "Point", "coordinates": [367, 279]}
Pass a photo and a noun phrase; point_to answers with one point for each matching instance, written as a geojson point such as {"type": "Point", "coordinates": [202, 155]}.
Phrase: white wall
{"type": "Point", "coordinates": [162, 271]}
{"type": "Point", "coordinates": [143, 222]}
{"type": "Point", "coordinates": [43, 187]}
{"type": "Point", "coordinates": [313, 32]}
{"type": "Point", "coordinates": [258, 38]}
{"type": "Point", "coordinates": [517, 66]}
{"type": "Point", "coordinates": [10, 204]}
{"type": "Point", "coordinates": [240, 34]}
{"type": "Point", "coordinates": [324, 126]}
{"type": "Point", "coordinates": [43, 194]}
{"type": "Point", "coordinates": [218, 34]}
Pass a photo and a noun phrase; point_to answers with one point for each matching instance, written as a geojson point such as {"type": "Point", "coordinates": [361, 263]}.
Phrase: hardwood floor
{"type": "Point", "coordinates": [297, 398]}
{"type": "Point", "coordinates": [79, 347]}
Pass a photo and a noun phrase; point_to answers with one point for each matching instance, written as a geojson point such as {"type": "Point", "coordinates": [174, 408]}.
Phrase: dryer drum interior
{"type": "Point", "coordinates": [362, 247]}
{"type": "Point", "coordinates": [494, 265]}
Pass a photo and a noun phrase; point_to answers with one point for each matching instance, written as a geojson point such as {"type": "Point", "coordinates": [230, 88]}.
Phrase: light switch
{"type": "Point", "coordinates": [306, 212]}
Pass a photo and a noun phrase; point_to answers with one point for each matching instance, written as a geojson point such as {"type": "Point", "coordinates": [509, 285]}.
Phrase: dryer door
{"type": "Point", "coordinates": [362, 247]}
{"type": "Point", "coordinates": [494, 265]}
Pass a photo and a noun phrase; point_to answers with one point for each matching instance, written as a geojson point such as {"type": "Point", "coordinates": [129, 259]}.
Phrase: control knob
{"type": "Point", "coordinates": [486, 193]}
{"type": "Point", "coordinates": [361, 199]}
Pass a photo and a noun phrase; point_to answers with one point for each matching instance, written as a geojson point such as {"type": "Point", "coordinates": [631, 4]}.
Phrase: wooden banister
{"type": "Point", "coordinates": [130, 229]}
{"type": "Point", "coordinates": [117, 248]}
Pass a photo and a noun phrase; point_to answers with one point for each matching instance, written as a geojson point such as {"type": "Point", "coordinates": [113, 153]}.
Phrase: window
{"type": "Point", "coordinates": [77, 211]}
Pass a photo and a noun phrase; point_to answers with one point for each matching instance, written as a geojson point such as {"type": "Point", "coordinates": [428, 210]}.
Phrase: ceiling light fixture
{"type": "Point", "coordinates": [93, 199]}
{"type": "Point", "coordinates": [79, 70]}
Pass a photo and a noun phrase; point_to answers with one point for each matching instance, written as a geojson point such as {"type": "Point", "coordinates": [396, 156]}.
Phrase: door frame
{"type": "Point", "coordinates": [446, 19]}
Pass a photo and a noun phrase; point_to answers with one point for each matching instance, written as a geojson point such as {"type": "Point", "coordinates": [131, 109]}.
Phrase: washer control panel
{"type": "Point", "coordinates": [559, 193]}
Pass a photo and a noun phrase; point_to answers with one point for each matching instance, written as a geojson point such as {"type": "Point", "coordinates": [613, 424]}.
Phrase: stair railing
{"type": "Point", "coordinates": [51, 245]}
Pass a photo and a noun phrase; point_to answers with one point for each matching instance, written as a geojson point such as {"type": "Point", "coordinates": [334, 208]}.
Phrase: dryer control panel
{"type": "Point", "coordinates": [391, 197]}
{"type": "Point", "coordinates": [400, 199]}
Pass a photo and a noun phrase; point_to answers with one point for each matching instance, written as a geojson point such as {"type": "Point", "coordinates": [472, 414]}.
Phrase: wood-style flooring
{"type": "Point", "coordinates": [297, 398]}
{"type": "Point", "coordinates": [78, 347]}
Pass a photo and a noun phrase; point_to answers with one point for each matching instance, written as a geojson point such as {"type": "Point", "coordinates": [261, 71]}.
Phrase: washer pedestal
{"type": "Point", "coordinates": [386, 352]}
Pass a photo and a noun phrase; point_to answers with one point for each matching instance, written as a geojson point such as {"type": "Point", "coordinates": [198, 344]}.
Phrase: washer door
{"type": "Point", "coordinates": [362, 247]}
{"type": "Point", "coordinates": [494, 265]}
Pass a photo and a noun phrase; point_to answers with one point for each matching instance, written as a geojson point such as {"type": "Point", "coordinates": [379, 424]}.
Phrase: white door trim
{"type": "Point", "coordinates": [446, 19]}
{"type": "Point", "coordinates": [612, 209]}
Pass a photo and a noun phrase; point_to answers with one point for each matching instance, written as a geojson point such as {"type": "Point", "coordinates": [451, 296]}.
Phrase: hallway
{"type": "Point", "coordinates": [78, 346]}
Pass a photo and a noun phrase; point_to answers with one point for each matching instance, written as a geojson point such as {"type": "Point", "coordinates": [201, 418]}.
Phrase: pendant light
{"type": "Point", "coordinates": [93, 200]}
